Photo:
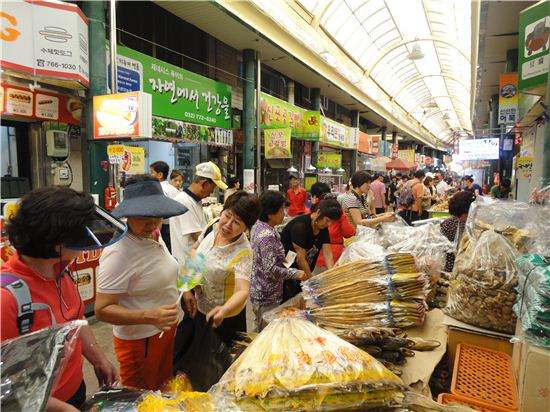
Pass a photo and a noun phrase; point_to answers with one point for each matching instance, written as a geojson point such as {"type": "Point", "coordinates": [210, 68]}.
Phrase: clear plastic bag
{"type": "Point", "coordinates": [391, 233]}
{"type": "Point", "coordinates": [32, 362]}
{"type": "Point", "coordinates": [295, 365]}
{"type": "Point", "coordinates": [482, 291]}
{"type": "Point", "coordinates": [362, 250]}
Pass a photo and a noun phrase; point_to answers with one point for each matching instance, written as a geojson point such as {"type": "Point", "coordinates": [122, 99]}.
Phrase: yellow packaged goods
{"type": "Point", "coordinates": [295, 365]}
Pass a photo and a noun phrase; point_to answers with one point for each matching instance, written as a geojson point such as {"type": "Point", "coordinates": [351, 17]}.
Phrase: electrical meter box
{"type": "Point", "coordinates": [57, 143]}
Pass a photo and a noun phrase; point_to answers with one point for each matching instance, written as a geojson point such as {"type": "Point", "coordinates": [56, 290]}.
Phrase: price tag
{"type": "Point", "coordinates": [115, 153]}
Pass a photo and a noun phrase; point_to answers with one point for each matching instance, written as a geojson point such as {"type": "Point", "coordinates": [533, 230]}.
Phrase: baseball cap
{"type": "Point", "coordinates": [212, 172]}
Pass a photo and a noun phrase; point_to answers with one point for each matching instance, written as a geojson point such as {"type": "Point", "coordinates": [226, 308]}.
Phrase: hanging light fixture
{"type": "Point", "coordinates": [327, 170]}
{"type": "Point", "coordinates": [292, 169]}
{"type": "Point", "coordinates": [416, 53]}
{"type": "Point", "coordinates": [311, 169]}
{"type": "Point", "coordinates": [340, 171]}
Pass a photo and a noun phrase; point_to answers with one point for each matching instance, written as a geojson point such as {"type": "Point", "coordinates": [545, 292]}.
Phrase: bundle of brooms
{"type": "Point", "coordinates": [389, 293]}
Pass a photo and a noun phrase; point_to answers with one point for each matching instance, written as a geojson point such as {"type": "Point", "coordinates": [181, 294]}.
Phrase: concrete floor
{"type": "Point", "coordinates": [104, 336]}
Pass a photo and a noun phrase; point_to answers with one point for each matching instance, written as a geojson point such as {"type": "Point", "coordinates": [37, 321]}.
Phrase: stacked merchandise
{"type": "Point", "coordinates": [533, 305]}
{"type": "Point", "coordinates": [482, 291]}
{"type": "Point", "coordinates": [295, 365]}
{"type": "Point", "coordinates": [387, 293]}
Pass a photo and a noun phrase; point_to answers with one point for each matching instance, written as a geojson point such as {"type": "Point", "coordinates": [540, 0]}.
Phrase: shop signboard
{"type": "Point", "coordinates": [45, 39]}
{"type": "Point", "coordinates": [524, 167]}
{"type": "Point", "coordinates": [367, 143]}
{"type": "Point", "coordinates": [248, 180]}
{"type": "Point", "coordinates": [479, 149]}
{"type": "Point", "coordinates": [122, 115]}
{"type": "Point", "coordinates": [334, 133]}
{"type": "Point", "coordinates": [20, 101]}
{"type": "Point", "coordinates": [130, 158]}
{"type": "Point", "coordinates": [331, 160]}
{"type": "Point", "coordinates": [177, 93]}
{"type": "Point", "coordinates": [534, 46]}
{"type": "Point", "coordinates": [508, 98]}
{"type": "Point", "coordinates": [395, 150]}
{"type": "Point", "coordinates": [277, 143]}
{"type": "Point", "coordinates": [169, 129]}
{"type": "Point", "coordinates": [278, 114]}
{"type": "Point", "coordinates": [407, 155]}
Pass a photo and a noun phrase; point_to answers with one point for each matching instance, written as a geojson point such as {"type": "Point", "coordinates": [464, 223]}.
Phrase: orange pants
{"type": "Point", "coordinates": [145, 363]}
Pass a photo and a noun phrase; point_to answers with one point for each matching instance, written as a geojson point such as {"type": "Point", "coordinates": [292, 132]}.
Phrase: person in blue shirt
{"type": "Point", "coordinates": [470, 186]}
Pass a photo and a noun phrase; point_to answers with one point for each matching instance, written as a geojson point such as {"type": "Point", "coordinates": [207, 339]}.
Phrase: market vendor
{"type": "Point", "coordinates": [355, 205]}
{"type": "Point", "coordinates": [453, 227]}
{"type": "Point", "coordinates": [222, 297]}
{"type": "Point", "coordinates": [136, 287]}
{"type": "Point", "coordinates": [502, 190]}
{"type": "Point", "coordinates": [268, 270]}
{"type": "Point", "coordinates": [51, 228]}
{"type": "Point", "coordinates": [306, 236]}
{"type": "Point", "coordinates": [338, 230]}
{"type": "Point", "coordinates": [296, 196]}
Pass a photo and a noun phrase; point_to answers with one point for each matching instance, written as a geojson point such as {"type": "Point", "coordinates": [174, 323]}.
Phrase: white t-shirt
{"type": "Point", "coordinates": [181, 227]}
{"type": "Point", "coordinates": [144, 275]}
{"type": "Point", "coordinates": [169, 191]}
{"type": "Point", "coordinates": [224, 264]}
{"type": "Point", "coordinates": [442, 188]}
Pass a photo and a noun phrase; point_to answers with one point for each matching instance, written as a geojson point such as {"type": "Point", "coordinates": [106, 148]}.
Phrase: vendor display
{"type": "Point", "coordinates": [533, 305]}
{"type": "Point", "coordinates": [295, 365]}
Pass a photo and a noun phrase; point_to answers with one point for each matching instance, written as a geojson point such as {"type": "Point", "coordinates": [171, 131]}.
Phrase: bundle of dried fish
{"type": "Point", "coordinates": [346, 317]}
{"type": "Point", "coordinates": [295, 365]}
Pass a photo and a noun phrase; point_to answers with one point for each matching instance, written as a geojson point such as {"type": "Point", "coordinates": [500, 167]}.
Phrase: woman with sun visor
{"type": "Point", "coordinates": [137, 286]}
{"type": "Point", "coordinates": [50, 229]}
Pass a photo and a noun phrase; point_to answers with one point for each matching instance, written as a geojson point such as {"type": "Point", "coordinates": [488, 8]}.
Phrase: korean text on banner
{"type": "Point", "coordinates": [534, 46]}
{"type": "Point", "coordinates": [508, 98]}
{"type": "Point", "coordinates": [407, 155]}
{"type": "Point", "coordinates": [277, 143]}
{"type": "Point", "coordinates": [278, 114]}
{"type": "Point", "coordinates": [334, 133]}
{"type": "Point", "coordinates": [131, 159]}
{"type": "Point", "coordinates": [329, 159]}
{"type": "Point", "coordinates": [177, 93]}
{"type": "Point", "coordinates": [122, 115]}
{"type": "Point", "coordinates": [524, 167]}
{"type": "Point", "coordinates": [47, 39]}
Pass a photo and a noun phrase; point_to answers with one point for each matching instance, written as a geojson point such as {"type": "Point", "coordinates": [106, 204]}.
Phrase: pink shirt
{"type": "Point", "coordinates": [379, 190]}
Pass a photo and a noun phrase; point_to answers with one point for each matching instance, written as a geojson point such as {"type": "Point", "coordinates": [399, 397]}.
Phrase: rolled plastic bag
{"type": "Point", "coordinates": [32, 362]}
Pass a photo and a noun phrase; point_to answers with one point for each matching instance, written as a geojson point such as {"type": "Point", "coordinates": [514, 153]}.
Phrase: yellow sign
{"type": "Point", "coordinates": [524, 167]}
{"type": "Point", "coordinates": [407, 155]}
{"type": "Point", "coordinates": [133, 160]}
{"type": "Point", "coordinates": [277, 143]}
{"type": "Point", "coordinates": [329, 159]}
{"type": "Point", "coordinates": [115, 153]}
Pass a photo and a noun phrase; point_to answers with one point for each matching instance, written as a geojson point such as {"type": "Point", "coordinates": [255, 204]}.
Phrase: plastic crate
{"type": "Point", "coordinates": [449, 398]}
{"type": "Point", "coordinates": [485, 376]}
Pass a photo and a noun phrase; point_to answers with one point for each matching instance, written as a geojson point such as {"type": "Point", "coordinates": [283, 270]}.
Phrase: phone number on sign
{"type": "Point", "coordinates": [57, 65]}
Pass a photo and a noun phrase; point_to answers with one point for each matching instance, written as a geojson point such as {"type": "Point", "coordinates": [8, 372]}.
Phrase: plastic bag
{"type": "Point", "coordinates": [118, 399]}
{"type": "Point", "coordinates": [32, 362]}
{"type": "Point", "coordinates": [362, 250]}
{"type": "Point", "coordinates": [482, 291]}
{"type": "Point", "coordinates": [206, 357]}
{"type": "Point", "coordinates": [391, 233]}
{"type": "Point", "coordinates": [294, 365]}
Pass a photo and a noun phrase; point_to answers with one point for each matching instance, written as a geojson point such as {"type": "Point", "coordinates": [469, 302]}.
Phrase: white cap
{"type": "Point", "coordinates": [212, 172]}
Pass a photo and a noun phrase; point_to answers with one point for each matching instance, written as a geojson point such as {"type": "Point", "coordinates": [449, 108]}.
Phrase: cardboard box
{"type": "Point", "coordinates": [534, 378]}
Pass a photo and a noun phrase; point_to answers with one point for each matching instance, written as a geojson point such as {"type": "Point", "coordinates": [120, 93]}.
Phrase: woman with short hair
{"type": "Point", "coordinates": [233, 185]}
{"type": "Point", "coordinates": [176, 179]}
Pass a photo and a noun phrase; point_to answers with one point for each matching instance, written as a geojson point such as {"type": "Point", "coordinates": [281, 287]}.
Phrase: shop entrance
{"type": "Point", "coordinates": [15, 159]}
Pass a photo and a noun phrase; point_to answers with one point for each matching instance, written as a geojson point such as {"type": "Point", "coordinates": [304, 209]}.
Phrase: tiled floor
{"type": "Point", "coordinates": [104, 335]}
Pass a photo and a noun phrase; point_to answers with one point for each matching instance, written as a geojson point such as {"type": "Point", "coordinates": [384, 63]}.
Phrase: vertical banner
{"type": "Point", "coordinates": [248, 180]}
{"type": "Point", "coordinates": [277, 143]}
{"type": "Point", "coordinates": [508, 98]}
{"type": "Point", "coordinates": [395, 151]}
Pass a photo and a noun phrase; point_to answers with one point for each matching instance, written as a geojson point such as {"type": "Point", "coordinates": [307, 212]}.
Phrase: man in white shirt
{"type": "Point", "coordinates": [159, 170]}
{"type": "Point", "coordinates": [441, 186]}
{"type": "Point", "coordinates": [184, 231]}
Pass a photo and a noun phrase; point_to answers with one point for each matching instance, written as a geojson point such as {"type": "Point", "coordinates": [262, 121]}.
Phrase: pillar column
{"type": "Point", "coordinates": [249, 115]}
{"type": "Point", "coordinates": [95, 179]}
{"type": "Point", "coordinates": [354, 114]}
{"type": "Point", "coordinates": [315, 95]}
{"type": "Point", "coordinates": [290, 91]}
{"type": "Point", "coordinates": [383, 138]}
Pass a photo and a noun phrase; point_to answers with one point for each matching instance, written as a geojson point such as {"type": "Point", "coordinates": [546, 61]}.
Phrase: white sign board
{"type": "Point", "coordinates": [47, 39]}
{"type": "Point", "coordinates": [479, 149]}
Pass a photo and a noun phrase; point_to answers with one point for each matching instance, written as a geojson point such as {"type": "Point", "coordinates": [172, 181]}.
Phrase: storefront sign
{"type": "Point", "coordinates": [47, 39]}
{"type": "Point", "coordinates": [277, 143]}
{"type": "Point", "coordinates": [479, 149]}
{"type": "Point", "coordinates": [168, 129]}
{"type": "Point", "coordinates": [133, 160]}
{"type": "Point", "coordinates": [524, 167]}
{"type": "Point", "coordinates": [334, 133]}
{"type": "Point", "coordinates": [508, 98]}
{"type": "Point", "coordinates": [534, 46]}
{"type": "Point", "coordinates": [177, 93]}
{"type": "Point", "coordinates": [115, 152]}
{"type": "Point", "coordinates": [407, 155]}
{"type": "Point", "coordinates": [329, 159]}
{"type": "Point", "coordinates": [395, 150]}
{"type": "Point", "coordinates": [20, 101]}
{"type": "Point", "coordinates": [278, 114]}
{"type": "Point", "coordinates": [248, 180]}
{"type": "Point", "coordinates": [122, 115]}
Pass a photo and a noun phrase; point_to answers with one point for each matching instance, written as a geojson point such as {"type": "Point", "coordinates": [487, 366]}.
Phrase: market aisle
{"type": "Point", "coordinates": [104, 335]}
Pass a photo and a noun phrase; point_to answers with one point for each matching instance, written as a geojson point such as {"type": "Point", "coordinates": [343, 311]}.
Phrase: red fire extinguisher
{"type": "Point", "coordinates": [110, 198]}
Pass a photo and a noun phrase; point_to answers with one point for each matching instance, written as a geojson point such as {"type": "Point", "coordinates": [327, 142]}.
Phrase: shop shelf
{"type": "Point", "coordinates": [485, 376]}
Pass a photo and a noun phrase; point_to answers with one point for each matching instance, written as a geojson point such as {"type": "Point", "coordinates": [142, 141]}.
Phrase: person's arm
{"type": "Point", "coordinates": [301, 260]}
{"type": "Point", "coordinates": [56, 405]}
{"type": "Point", "coordinates": [327, 252]}
{"type": "Point", "coordinates": [271, 263]}
{"type": "Point", "coordinates": [418, 191]}
{"type": "Point", "coordinates": [356, 216]}
{"type": "Point", "coordinates": [108, 310]}
{"type": "Point", "coordinates": [234, 304]}
{"type": "Point", "coordinates": [348, 230]}
{"type": "Point", "coordinates": [105, 371]}
{"type": "Point", "coordinates": [381, 219]}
